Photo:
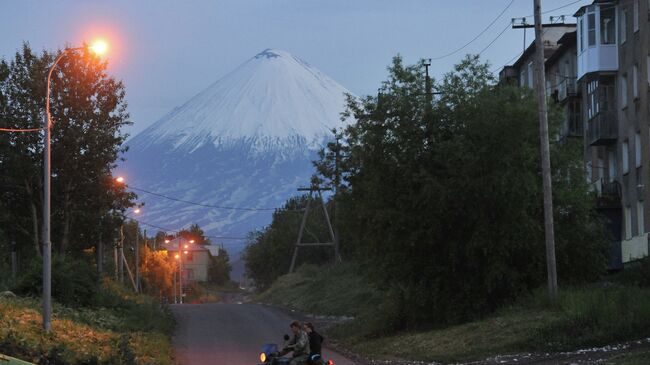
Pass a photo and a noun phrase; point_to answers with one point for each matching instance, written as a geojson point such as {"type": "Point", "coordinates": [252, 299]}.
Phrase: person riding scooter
{"type": "Point", "coordinates": [315, 340]}
{"type": "Point", "coordinates": [299, 344]}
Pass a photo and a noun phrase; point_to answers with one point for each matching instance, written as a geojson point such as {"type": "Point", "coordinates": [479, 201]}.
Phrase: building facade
{"type": "Point", "coordinates": [612, 72]}
{"type": "Point", "coordinates": [195, 258]}
{"type": "Point", "coordinates": [599, 73]}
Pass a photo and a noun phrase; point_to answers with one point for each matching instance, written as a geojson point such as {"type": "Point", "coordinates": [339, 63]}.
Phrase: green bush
{"type": "Point", "coordinates": [595, 316]}
{"type": "Point", "coordinates": [74, 281]}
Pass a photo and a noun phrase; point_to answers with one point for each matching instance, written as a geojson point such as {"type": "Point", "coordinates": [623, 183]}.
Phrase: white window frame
{"type": "Point", "coordinates": [624, 91]}
{"type": "Point", "coordinates": [612, 165]}
{"type": "Point", "coordinates": [635, 80]}
{"type": "Point", "coordinates": [637, 149]}
{"type": "Point", "coordinates": [640, 219]}
{"type": "Point", "coordinates": [625, 156]}
{"type": "Point", "coordinates": [627, 217]}
{"type": "Point", "coordinates": [530, 70]}
{"type": "Point", "coordinates": [636, 15]}
{"type": "Point", "coordinates": [623, 23]}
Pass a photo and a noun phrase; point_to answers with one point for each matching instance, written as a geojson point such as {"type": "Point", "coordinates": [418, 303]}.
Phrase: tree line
{"type": "Point", "coordinates": [440, 198]}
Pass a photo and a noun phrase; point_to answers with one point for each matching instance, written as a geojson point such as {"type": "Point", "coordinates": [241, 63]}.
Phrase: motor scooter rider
{"type": "Point", "coordinates": [299, 344]}
{"type": "Point", "coordinates": [315, 339]}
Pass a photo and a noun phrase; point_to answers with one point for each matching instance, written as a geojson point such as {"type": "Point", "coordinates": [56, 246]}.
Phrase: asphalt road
{"type": "Point", "coordinates": [230, 334]}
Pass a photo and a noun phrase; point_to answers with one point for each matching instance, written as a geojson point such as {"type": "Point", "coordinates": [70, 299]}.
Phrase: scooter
{"type": "Point", "coordinates": [270, 355]}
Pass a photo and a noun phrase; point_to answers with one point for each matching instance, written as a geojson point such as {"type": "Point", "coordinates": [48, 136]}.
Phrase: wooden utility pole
{"type": "Point", "coordinates": [314, 191]}
{"type": "Point", "coordinates": [337, 186]}
{"type": "Point", "coordinates": [540, 87]}
{"type": "Point", "coordinates": [14, 261]}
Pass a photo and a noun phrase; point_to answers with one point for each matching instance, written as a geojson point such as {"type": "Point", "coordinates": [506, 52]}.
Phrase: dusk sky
{"type": "Point", "coordinates": [167, 51]}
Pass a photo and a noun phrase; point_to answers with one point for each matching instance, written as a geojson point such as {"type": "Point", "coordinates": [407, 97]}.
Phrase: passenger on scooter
{"type": "Point", "coordinates": [315, 340]}
{"type": "Point", "coordinates": [299, 344]}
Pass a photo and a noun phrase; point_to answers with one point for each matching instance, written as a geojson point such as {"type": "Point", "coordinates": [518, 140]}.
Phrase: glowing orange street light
{"type": "Point", "coordinates": [186, 246]}
{"type": "Point", "coordinates": [119, 179]}
{"type": "Point", "coordinates": [136, 211]}
{"type": "Point", "coordinates": [191, 241]}
{"type": "Point", "coordinates": [177, 256]}
{"type": "Point", "coordinates": [98, 48]}
{"type": "Point", "coordinates": [166, 241]}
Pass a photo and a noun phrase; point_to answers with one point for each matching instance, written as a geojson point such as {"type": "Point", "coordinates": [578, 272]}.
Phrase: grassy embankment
{"type": "Point", "coordinates": [123, 328]}
{"type": "Point", "coordinates": [588, 316]}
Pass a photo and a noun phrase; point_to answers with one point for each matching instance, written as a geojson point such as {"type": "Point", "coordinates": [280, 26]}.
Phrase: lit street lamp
{"type": "Point", "coordinates": [98, 48]}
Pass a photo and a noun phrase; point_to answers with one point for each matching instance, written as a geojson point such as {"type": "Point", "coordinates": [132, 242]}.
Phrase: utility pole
{"type": "Point", "coordinates": [314, 189]}
{"type": "Point", "coordinates": [14, 261]}
{"type": "Point", "coordinates": [546, 161]}
{"type": "Point", "coordinates": [137, 259]}
{"type": "Point", "coordinates": [120, 254]}
{"type": "Point", "coordinates": [337, 185]}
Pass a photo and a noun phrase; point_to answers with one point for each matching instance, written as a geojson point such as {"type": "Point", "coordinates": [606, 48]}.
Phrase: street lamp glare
{"type": "Point", "coordinates": [166, 241]}
{"type": "Point", "coordinates": [99, 47]}
{"type": "Point", "coordinates": [136, 211]}
{"type": "Point", "coordinates": [176, 256]}
{"type": "Point", "coordinates": [119, 179]}
{"type": "Point", "coordinates": [191, 241]}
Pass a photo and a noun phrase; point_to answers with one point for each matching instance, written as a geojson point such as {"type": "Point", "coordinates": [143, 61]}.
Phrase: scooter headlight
{"type": "Point", "coordinates": [262, 357]}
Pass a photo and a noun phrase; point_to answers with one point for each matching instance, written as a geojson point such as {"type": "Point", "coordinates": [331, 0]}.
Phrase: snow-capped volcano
{"type": "Point", "coordinates": [272, 100]}
{"type": "Point", "coordinates": [246, 141]}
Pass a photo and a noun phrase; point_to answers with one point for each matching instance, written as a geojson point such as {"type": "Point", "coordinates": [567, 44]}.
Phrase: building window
{"type": "Point", "coordinates": [623, 35]}
{"type": "Point", "coordinates": [623, 91]}
{"type": "Point", "coordinates": [581, 32]}
{"type": "Point", "coordinates": [592, 99]}
{"type": "Point", "coordinates": [640, 224]}
{"type": "Point", "coordinates": [627, 216]}
{"type": "Point", "coordinates": [625, 156]}
{"type": "Point", "coordinates": [635, 80]}
{"type": "Point", "coordinates": [591, 31]}
{"type": "Point", "coordinates": [612, 166]}
{"type": "Point", "coordinates": [589, 174]}
{"type": "Point", "coordinates": [607, 25]}
{"type": "Point", "coordinates": [189, 274]}
{"type": "Point", "coordinates": [635, 20]}
{"type": "Point", "coordinates": [530, 75]}
{"type": "Point", "coordinates": [522, 79]}
{"type": "Point", "coordinates": [637, 149]}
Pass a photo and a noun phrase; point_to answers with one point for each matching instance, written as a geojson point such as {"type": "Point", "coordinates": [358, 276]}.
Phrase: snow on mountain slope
{"type": "Point", "coordinates": [272, 100]}
{"type": "Point", "coordinates": [246, 141]}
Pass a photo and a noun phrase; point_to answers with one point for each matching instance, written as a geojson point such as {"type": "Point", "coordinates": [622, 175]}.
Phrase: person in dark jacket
{"type": "Point", "coordinates": [315, 339]}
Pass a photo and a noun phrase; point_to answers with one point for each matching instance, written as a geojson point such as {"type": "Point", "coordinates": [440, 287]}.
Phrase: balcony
{"type": "Point", "coordinates": [597, 41]}
{"type": "Point", "coordinates": [567, 88]}
{"type": "Point", "coordinates": [602, 129]}
{"type": "Point", "coordinates": [574, 125]}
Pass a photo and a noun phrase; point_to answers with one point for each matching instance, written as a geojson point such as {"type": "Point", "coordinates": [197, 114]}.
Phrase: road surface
{"type": "Point", "coordinates": [230, 334]}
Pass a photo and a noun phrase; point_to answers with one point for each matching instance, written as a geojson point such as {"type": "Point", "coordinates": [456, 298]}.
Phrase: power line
{"type": "Point", "coordinates": [475, 38]}
{"type": "Point", "coordinates": [494, 40]}
{"type": "Point", "coordinates": [179, 230]}
{"type": "Point", "coordinates": [555, 9]}
{"type": "Point", "coordinates": [210, 205]}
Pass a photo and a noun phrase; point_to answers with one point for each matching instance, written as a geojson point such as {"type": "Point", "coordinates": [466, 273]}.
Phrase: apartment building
{"type": "Point", "coordinates": [612, 73]}
{"type": "Point", "coordinates": [599, 72]}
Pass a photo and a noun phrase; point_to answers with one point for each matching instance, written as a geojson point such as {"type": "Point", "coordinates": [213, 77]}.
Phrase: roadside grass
{"type": "Point", "coordinates": [135, 330]}
{"type": "Point", "coordinates": [587, 316]}
{"type": "Point", "coordinates": [334, 290]}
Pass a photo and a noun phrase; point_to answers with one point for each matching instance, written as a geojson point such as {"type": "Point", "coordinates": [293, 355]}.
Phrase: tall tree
{"type": "Point", "coordinates": [444, 201]}
{"type": "Point", "coordinates": [88, 111]}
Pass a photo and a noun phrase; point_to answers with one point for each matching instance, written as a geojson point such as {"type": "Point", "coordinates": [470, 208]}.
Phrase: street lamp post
{"type": "Point", "coordinates": [98, 48]}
